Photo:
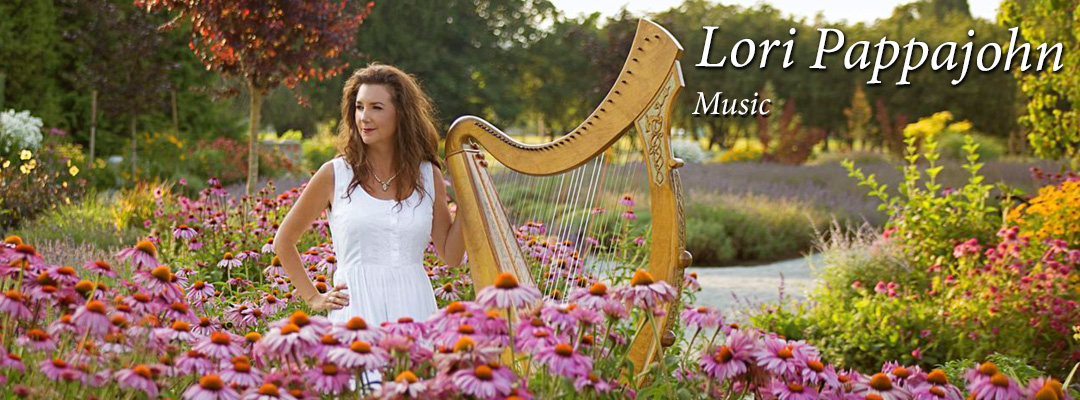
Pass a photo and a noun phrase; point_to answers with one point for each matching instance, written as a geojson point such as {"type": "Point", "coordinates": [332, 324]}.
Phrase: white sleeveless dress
{"type": "Point", "coordinates": [380, 251]}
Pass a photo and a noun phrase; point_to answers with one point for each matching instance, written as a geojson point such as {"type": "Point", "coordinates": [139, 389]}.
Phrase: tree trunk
{"type": "Point", "coordinates": [134, 145]}
{"type": "Point", "coordinates": [93, 124]}
{"type": "Point", "coordinates": [253, 137]}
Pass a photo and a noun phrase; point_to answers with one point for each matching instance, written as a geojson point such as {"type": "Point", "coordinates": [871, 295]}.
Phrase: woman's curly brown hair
{"type": "Point", "coordinates": [416, 138]}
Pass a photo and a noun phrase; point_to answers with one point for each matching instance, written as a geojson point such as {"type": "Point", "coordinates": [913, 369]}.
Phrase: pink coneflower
{"type": "Point", "coordinates": [690, 281]}
{"type": "Point", "coordinates": [37, 339]}
{"type": "Point", "coordinates": [181, 312]}
{"type": "Point", "coordinates": [538, 339]}
{"type": "Point", "coordinates": [296, 335]}
{"type": "Point", "coordinates": [731, 359]}
{"type": "Point", "coordinates": [405, 326]}
{"type": "Point", "coordinates": [13, 304]}
{"type": "Point", "coordinates": [998, 387]}
{"type": "Point", "coordinates": [559, 316]}
{"type": "Point", "coordinates": [184, 232]}
{"type": "Point", "coordinates": [596, 297]}
{"type": "Point", "coordinates": [241, 373]}
{"type": "Point", "coordinates": [629, 215]}
{"type": "Point", "coordinates": [782, 357]}
{"type": "Point", "coordinates": [143, 255]}
{"type": "Point", "coordinates": [160, 280]}
{"type": "Point", "coordinates": [702, 317]}
{"type": "Point", "coordinates": [100, 268]}
{"type": "Point", "coordinates": [561, 359]}
{"type": "Point", "coordinates": [92, 317]}
{"type": "Point", "coordinates": [447, 292]}
{"type": "Point", "coordinates": [792, 390]}
{"type": "Point", "coordinates": [268, 391]}
{"type": "Point", "coordinates": [271, 305]}
{"type": "Point", "coordinates": [64, 274]}
{"type": "Point", "coordinates": [406, 385]}
{"type": "Point", "coordinates": [178, 331]}
{"type": "Point", "coordinates": [194, 362]}
{"type": "Point", "coordinates": [195, 244]}
{"type": "Point", "coordinates": [138, 378]}
{"type": "Point", "coordinates": [57, 369]}
{"type": "Point", "coordinates": [882, 386]}
{"type": "Point", "coordinates": [11, 361]}
{"type": "Point", "coordinates": [268, 247]}
{"type": "Point", "coordinates": [210, 387]}
{"type": "Point", "coordinates": [143, 303]}
{"type": "Point", "coordinates": [199, 292]}
{"type": "Point", "coordinates": [506, 293]}
{"type": "Point", "coordinates": [593, 382]}
{"type": "Point", "coordinates": [645, 292]}
{"type": "Point", "coordinates": [360, 354]}
{"type": "Point", "coordinates": [229, 262]}
{"type": "Point", "coordinates": [484, 382]}
{"type": "Point", "coordinates": [1047, 388]}
{"type": "Point", "coordinates": [817, 372]}
{"type": "Point", "coordinates": [328, 379]}
{"type": "Point", "coordinates": [355, 329]}
{"type": "Point", "coordinates": [219, 345]}
{"type": "Point", "coordinates": [627, 200]}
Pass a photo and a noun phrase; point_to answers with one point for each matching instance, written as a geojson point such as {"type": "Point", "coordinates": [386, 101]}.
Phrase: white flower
{"type": "Point", "coordinates": [19, 130]}
{"type": "Point", "coordinates": [689, 151]}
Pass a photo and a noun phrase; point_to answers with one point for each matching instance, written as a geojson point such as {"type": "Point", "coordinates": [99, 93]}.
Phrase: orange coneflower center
{"type": "Point", "coordinates": [96, 307]}
{"type": "Point", "coordinates": [1046, 393]}
{"type": "Point", "coordinates": [874, 396]}
{"type": "Point", "coordinates": [84, 286]}
{"type": "Point", "coordinates": [162, 273]}
{"type": "Point", "coordinates": [448, 287]}
{"type": "Point", "coordinates": [13, 239]}
{"type": "Point", "coordinates": [999, 380]}
{"type": "Point", "coordinates": [14, 295]}
{"type": "Point", "coordinates": [220, 338]}
{"type": "Point", "coordinates": [212, 383]}
{"type": "Point", "coordinates": [361, 346]}
{"type": "Point", "coordinates": [815, 365]}
{"type": "Point", "coordinates": [331, 259]}
{"type": "Point", "coordinates": [723, 355]}
{"type": "Point", "coordinates": [66, 270]}
{"type": "Point", "coordinates": [147, 247]}
{"type": "Point", "coordinates": [901, 372]}
{"type": "Point", "coordinates": [937, 392]}
{"type": "Point", "coordinates": [300, 319]}
{"type": "Point", "coordinates": [142, 370]}
{"type": "Point", "coordinates": [564, 350]}
{"type": "Point", "coordinates": [199, 285]}
{"type": "Point", "coordinates": [464, 343]}
{"type": "Point", "coordinates": [330, 340]}
{"type": "Point", "coordinates": [506, 280]}
{"type": "Point", "coordinates": [455, 307]}
{"type": "Point", "coordinates": [466, 329]}
{"type": "Point", "coordinates": [598, 289]}
{"type": "Point", "coordinates": [227, 256]}
{"type": "Point", "coordinates": [275, 261]}
{"type": "Point", "coordinates": [785, 353]}
{"type": "Point", "coordinates": [179, 307]}
{"type": "Point", "coordinates": [243, 367]}
{"type": "Point", "coordinates": [181, 326]}
{"type": "Point", "coordinates": [642, 277]}
{"type": "Point", "coordinates": [540, 334]}
{"type": "Point", "coordinates": [483, 372]}
{"type": "Point", "coordinates": [268, 389]}
{"type": "Point", "coordinates": [356, 324]}
{"type": "Point", "coordinates": [289, 329]}
{"type": "Point", "coordinates": [25, 249]}
{"type": "Point", "coordinates": [329, 369]}
{"type": "Point", "coordinates": [58, 363]}
{"type": "Point", "coordinates": [988, 369]}
{"type": "Point", "coordinates": [252, 337]}
{"type": "Point", "coordinates": [795, 387]}
{"type": "Point", "coordinates": [37, 335]}
{"type": "Point", "coordinates": [141, 297]}
{"type": "Point", "coordinates": [407, 376]}
{"type": "Point", "coordinates": [937, 377]}
{"type": "Point", "coordinates": [880, 382]}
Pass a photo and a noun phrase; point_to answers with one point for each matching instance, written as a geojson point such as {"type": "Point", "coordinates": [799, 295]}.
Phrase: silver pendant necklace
{"type": "Point", "coordinates": [385, 185]}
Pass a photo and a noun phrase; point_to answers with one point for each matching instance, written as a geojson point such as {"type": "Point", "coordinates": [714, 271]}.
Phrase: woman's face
{"type": "Point", "coordinates": [376, 116]}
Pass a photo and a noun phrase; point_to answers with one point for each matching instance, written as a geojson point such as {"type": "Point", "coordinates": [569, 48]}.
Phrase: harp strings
{"type": "Point", "coordinates": [567, 224]}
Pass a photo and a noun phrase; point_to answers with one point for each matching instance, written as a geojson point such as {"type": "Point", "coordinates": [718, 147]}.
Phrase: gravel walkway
{"type": "Point", "coordinates": [732, 289]}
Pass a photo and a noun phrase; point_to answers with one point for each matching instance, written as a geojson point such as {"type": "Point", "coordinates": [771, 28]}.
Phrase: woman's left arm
{"type": "Point", "coordinates": [446, 234]}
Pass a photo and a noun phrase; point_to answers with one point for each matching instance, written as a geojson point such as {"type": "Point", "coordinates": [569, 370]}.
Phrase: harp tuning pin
{"type": "Point", "coordinates": [676, 163]}
{"type": "Point", "coordinates": [480, 156]}
{"type": "Point", "coordinates": [685, 259]}
{"type": "Point", "coordinates": [483, 163]}
{"type": "Point", "coordinates": [474, 146]}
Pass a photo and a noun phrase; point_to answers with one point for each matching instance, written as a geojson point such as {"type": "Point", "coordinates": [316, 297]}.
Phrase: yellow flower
{"type": "Point", "coordinates": [25, 155]}
{"type": "Point", "coordinates": [7, 163]}
{"type": "Point", "coordinates": [73, 170]}
{"type": "Point", "coordinates": [25, 169]}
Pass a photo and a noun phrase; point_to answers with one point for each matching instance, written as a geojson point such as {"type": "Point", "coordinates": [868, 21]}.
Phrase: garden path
{"type": "Point", "coordinates": [737, 288]}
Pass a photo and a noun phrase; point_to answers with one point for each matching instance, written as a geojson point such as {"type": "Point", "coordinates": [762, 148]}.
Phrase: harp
{"type": "Point", "coordinates": [637, 109]}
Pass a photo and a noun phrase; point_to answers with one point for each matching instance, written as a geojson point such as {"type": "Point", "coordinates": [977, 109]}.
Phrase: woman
{"type": "Point", "coordinates": [386, 201]}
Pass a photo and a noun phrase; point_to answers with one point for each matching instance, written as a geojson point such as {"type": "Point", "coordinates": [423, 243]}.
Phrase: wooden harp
{"type": "Point", "coordinates": [641, 98]}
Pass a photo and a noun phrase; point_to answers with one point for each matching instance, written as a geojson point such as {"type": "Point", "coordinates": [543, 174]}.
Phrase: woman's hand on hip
{"type": "Point", "coordinates": [335, 299]}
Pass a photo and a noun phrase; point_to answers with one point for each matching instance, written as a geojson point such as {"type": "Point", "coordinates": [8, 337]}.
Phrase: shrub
{"type": "Point", "coordinates": [722, 229]}
{"type": "Point", "coordinates": [952, 146]}
{"type": "Point", "coordinates": [746, 152]}
{"type": "Point", "coordinates": [90, 222]}
{"type": "Point", "coordinates": [319, 148]}
{"type": "Point", "coordinates": [1053, 213]}
{"type": "Point", "coordinates": [18, 131]}
{"type": "Point", "coordinates": [34, 183]}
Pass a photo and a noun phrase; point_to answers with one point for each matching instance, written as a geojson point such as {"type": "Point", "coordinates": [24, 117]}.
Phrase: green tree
{"type": "Point", "coordinates": [1053, 97]}
{"type": "Point", "coordinates": [29, 57]}
{"type": "Point", "coordinates": [859, 117]}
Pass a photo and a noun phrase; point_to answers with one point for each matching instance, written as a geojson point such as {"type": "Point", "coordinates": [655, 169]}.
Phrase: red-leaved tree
{"type": "Point", "coordinates": [267, 43]}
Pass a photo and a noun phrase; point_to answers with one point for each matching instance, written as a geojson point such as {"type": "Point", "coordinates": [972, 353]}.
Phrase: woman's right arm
{"type": "Point", "coordinates": [313, 200]}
